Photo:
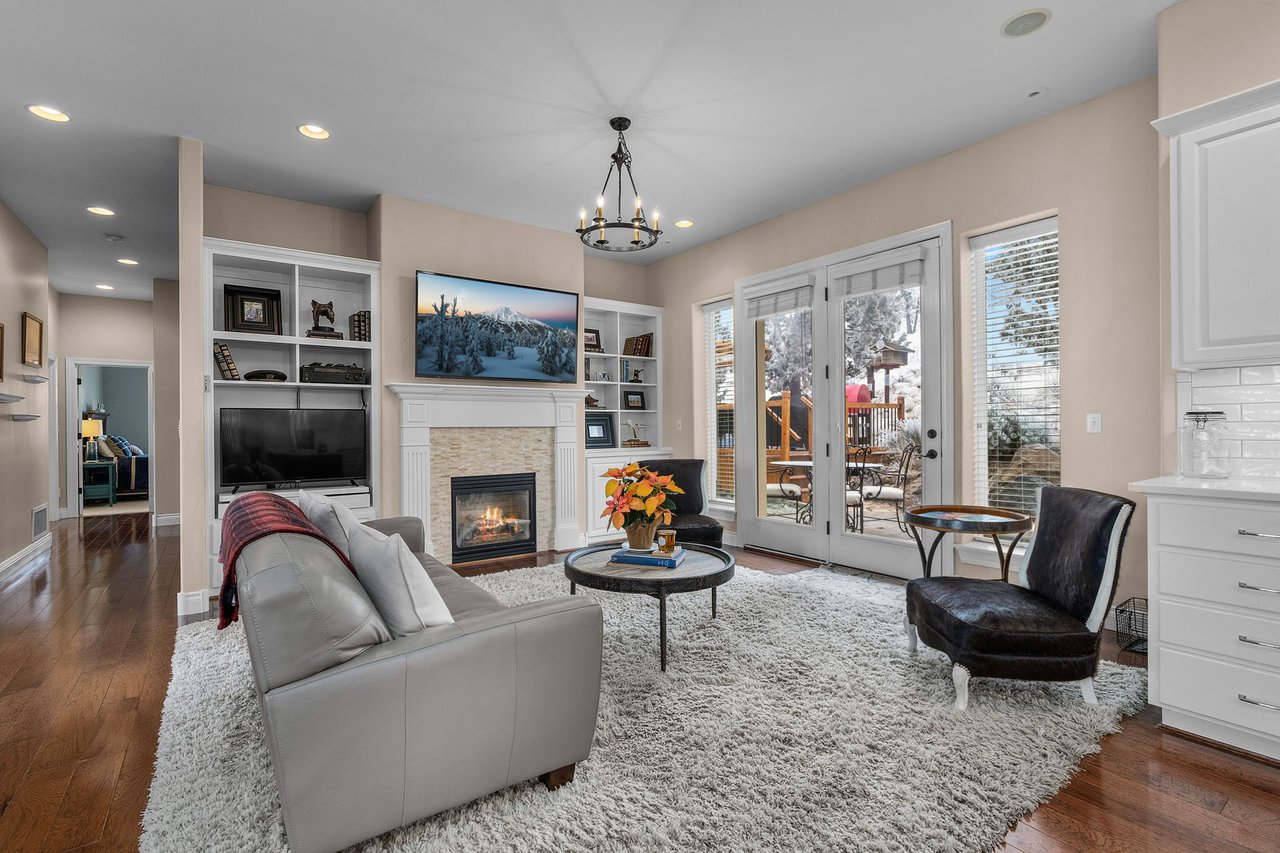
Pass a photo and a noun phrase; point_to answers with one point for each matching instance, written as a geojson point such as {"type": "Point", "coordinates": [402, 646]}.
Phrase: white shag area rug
{"type": "Point", "coordinates": [797, 720]}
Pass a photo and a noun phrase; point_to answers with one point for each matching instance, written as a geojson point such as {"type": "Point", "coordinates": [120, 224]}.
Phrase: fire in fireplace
{"type": "Point", "coordinates": [493, 516]}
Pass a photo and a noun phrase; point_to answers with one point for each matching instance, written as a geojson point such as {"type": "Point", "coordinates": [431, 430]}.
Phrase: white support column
{"type": "Point", "coordinates": [415, 466]}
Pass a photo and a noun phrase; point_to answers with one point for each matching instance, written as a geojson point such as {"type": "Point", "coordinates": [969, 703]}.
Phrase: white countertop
{"type": "Point", "coordinates": [1238, 488]}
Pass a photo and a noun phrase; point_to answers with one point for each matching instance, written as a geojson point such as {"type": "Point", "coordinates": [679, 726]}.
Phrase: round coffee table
{"type": "Point", "coordinates": [704, 568]}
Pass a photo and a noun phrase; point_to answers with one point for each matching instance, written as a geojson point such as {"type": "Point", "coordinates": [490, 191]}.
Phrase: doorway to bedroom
{"type": "Point", "coordinates": [109, 416]}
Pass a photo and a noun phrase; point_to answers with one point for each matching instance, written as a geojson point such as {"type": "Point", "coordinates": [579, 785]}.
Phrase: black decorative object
{"type": "Point", "coordinates": [251, 309]}
{"type": "Point", "coordinates": [620, 235]}
{"type": "Point", "coordinates": [319, 311]}
{"type": "Point", "coordinates": [591, 340]}
{"type": "Point", "coordinates": [599, 430]}
{"type": "Point", "coordinates": [1131, 625]}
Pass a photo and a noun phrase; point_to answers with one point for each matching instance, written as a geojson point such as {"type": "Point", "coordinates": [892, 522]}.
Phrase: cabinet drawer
{"type": "Point", "coordinates": [1215, 527]}
{"type": "Point", "coordinates": [1213, 688]}
{"type": "Point", "coordinates": [1220, 632]}
{"type": "Point", "coordinates": [1219, 579]}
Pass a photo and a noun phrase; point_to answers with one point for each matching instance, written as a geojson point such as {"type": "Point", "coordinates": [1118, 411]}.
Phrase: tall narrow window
{"type": "Point", "coordinates": [1017, 444]}
{"type": "Point", "coordinates": [718, 319]}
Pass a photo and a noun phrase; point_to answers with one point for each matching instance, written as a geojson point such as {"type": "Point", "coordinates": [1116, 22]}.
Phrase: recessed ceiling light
{"type": "Point", "coordinates": [48, 113]}
{"type": "Point", "coordinates": [684, 223]}
{"type": "Point", "coordinates": [101, 211]}
{"type": "Point", "coordinates": [1025, 23]}
{"type": "Point", "coordinates": [313, 131]}
{"type": "Point", "coordinates": [128, 262]}
{"type": "Point", "coordinates": [105, 286]}
{"type": "Point", "coordinates": [1037, 92]}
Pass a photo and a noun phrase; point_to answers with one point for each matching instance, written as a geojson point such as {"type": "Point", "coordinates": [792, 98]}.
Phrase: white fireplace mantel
{"type": "Point", "coordinates": [424, 407]}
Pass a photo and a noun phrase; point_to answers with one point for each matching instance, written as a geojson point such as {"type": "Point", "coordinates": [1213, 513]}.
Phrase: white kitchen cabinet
{"type": "Point", "coordinates": [1224, 200]}
{"type": "Point", "coordinates": [1213, 552]}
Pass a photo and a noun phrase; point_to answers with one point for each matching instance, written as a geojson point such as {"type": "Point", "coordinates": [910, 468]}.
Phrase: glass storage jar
{"type": "Point", "coordinates": [1203, 444]}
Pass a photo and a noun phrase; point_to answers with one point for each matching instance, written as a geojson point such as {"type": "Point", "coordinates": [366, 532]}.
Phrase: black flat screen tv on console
{"type": "Point", "coordinates": [471, 328]}
{"type": "Point", "coordinates": [276, 447]}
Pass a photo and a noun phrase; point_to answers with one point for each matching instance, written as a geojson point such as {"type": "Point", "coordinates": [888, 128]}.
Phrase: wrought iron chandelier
{"type": "Point", "coordinates": [619, 235]}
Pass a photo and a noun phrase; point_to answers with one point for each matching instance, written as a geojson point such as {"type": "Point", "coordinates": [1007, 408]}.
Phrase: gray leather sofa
{"type": "Point", "coordinates": [367, 733]}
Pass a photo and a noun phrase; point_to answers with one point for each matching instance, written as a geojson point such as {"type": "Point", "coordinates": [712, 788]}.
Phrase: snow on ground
{"type": "Point", "coordinates": [524, 366]}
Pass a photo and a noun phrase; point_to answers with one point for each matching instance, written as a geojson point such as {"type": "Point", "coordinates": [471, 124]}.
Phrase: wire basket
{"type": "Point", "coordinates": [1131, 625]}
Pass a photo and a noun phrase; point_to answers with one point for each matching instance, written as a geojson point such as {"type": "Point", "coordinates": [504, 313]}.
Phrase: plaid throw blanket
{"type": "Point", "coordinates": [250, 518]}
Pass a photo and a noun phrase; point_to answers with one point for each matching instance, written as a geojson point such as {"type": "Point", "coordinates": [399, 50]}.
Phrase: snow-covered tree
{"type": "Point", "coordinates": [511, 350]}
{"type": "Point", "coordinates": [549, 357]}
{"type": "Point", "coordinates": [445, 333]}
{"type": "Point", "coordinates": [789, 364]}
{"type": "Point", "coordinates": [471, 363]}
{"type": "Point", "coordinates": [870, 322]}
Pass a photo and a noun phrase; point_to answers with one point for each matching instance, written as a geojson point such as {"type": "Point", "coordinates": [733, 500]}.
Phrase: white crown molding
{"type": "Point", "coordinates": [1239, 104]}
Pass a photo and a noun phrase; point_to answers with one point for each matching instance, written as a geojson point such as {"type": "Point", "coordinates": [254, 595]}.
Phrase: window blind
{"type": "Point", "coordinates": [780, 302]}
{"type": "Point", "coordinates": [885, 271]}
{"type": "Point", "coordinates": [718, 334]}
{"type": "Point", "coordinates": [1017, 438]}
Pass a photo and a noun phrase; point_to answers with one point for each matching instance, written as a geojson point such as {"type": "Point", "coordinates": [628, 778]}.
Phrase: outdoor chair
{"type": "Point", "coordinates": [892, 485]}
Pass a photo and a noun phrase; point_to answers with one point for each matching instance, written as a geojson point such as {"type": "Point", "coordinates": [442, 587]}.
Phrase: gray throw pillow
{"type": "Point", "coordinates": [335, 520]}
{"type": "Point", "coordinates": [397, 583]}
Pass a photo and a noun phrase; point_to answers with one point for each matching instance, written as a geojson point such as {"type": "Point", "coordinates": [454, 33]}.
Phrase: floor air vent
{"type": "Point", "coordinates": [39, 521]}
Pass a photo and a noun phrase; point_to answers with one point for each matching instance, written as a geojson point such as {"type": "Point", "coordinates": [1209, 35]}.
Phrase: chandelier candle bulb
{"type": "Point", "coordinates": [656, 214]}
{"type": "Point", "coordinates": [600, 208]}
{"type": "Point", "coordinates": [582, 218]}
{"type": "Point", "coordinates": [639, 207]}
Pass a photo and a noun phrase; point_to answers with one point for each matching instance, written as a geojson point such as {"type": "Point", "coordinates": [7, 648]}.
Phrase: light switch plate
{"type": "Point", "coordinates": [1093, 422]}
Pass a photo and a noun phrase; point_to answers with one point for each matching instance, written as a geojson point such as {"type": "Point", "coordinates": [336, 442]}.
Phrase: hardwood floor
{"type": "Point", "coordinates": [86, 634]}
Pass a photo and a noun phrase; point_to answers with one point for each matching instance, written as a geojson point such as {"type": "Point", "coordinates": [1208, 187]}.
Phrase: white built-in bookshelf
{"type": "Point", "coordinates": [351, 284]}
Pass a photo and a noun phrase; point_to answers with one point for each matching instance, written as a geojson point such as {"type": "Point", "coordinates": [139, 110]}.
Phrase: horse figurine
{"type": "Point", "coordinates": [319, 310]}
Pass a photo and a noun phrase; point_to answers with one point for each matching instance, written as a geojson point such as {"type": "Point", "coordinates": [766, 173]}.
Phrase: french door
{"type": "Point", "coordinates": [844, 415]}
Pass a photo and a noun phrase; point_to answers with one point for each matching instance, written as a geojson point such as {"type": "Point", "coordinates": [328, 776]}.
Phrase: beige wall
{"type": "Point", "coordinates": [407, 236]}
{"type": "Point", "coordinates": [609, 279]}
{"type": "Point", "coordinates": [24, 447]}
{"type": "Point", "coordinates": [1095, 166]}
{"type": "Point", "coordinates": [97, 327]}
{"type": "Point", "coordinates": [164, 347]}
{"type": "Point", "coordinates": [273, 221]}
{"type": "Point", "coordinates": [1209, 49]}
{"type": "Point", "coordinates": [193, 492]}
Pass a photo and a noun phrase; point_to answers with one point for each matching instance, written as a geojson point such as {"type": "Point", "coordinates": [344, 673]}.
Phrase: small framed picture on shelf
{"type": "Point", "coordinates": [599, 430]}
{"type": "Point", "coordinates": [591, 340]}
{"type": "Point", "coordinates": [32, 340]}
{"type": "Point", "coordinates": [603, 376]}
{"type": "Point", "coordinates": [633, 400]}
{"type": "Point", "coordinates": [252, 309]}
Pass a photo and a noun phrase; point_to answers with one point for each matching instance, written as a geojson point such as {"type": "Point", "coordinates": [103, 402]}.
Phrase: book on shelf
{"type": "Point", "coordinates": [359, 324]}
{"type": "Point", "coordinates": [226, 363]}
{"type": "Point", "coordinates": [627, 557]}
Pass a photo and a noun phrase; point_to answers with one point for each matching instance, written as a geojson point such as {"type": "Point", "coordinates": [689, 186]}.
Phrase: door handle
{"type": "Point", "coordinates": [932, 454]}
{"type": "Point", "coordinates": [1244, 585]}
{"type": "Point", "coordinates": [1243, 532]}
{"type": "Point", "coordinates": [1253, 642]}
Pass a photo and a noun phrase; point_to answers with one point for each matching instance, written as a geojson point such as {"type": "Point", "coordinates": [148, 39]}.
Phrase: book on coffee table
{"type": "Point", "coordinates": [649, 558]}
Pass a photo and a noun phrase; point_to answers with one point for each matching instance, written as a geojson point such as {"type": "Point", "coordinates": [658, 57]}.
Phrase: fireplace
{"type": "Point", "coordinates": [493, 516]}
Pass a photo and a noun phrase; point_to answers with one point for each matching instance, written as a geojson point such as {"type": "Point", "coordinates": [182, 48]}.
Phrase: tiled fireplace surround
{"type": "Point", "coordinates": [461, 430]}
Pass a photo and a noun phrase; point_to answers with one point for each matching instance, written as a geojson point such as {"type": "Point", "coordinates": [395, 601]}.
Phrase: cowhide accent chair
{"type": "Point", "coordinates": [690, 522]}
{"type": "Point", "coordinates": [1046, 629]}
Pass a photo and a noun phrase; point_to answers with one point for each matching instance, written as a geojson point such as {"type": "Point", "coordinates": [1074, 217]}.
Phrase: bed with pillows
{"type": "Point", "coordinates": [132, 463]}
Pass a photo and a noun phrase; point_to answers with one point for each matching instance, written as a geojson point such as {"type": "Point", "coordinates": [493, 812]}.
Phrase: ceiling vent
{"type": "Point", "coordinates": [1025, 23]}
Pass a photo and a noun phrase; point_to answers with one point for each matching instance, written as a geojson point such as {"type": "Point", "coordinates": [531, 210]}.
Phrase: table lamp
{"type": "Point", "coordinates": [90, 429]}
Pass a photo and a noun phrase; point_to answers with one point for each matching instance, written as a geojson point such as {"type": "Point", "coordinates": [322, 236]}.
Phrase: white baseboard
{"type": "Point", "coordinates": [168, 519]}
{"type": "Point", "coordinates": [190, 603]}
{"type": "Point", "coordinates": [12, 564]}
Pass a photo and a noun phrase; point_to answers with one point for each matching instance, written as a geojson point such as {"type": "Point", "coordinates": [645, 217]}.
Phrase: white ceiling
{"type": "Point", "coordinates": [742, 109]}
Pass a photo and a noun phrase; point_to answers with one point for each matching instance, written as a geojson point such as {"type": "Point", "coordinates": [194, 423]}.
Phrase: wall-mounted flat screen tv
{"type": "Point", "coordinates": [266, 447]}
{"type": "Point", "coordinates": [470, 328]}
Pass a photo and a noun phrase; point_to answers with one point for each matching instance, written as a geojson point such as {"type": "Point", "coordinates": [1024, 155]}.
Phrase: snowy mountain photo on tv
{"type": "Point", "coordinates": [472, 328]}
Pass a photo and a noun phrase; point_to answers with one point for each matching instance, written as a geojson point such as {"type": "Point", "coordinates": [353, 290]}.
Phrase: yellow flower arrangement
{"type": "Point", "coordinates": [637, 496]}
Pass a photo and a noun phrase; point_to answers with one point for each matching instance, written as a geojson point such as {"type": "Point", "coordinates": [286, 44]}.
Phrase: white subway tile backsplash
{"type": "Point", "coordinates": [1249, 399]}
{"type": "Point", "coordinates": [1255, 467]}
{"type": "Point", "coordinates": [1235, 394]}
{"type": "Point", "coordinates": [1260, 412]}
{"type": "Point", "coordinates": [1254, 431]}
{"type": "Point", "coordinates": [1260, 375]}
{"type": "Point", "coordinates": [1260, 449]}
{"type": "Point", "coordinates": [1216, 376]}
